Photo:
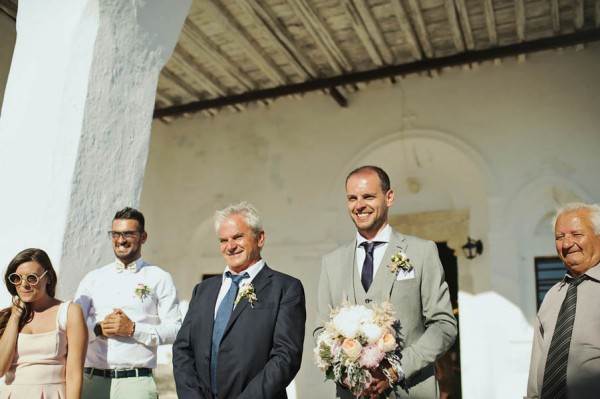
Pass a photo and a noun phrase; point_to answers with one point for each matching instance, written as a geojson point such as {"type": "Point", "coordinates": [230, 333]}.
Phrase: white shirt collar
{"type": "Point", "coordinates": [252, 270]}
{"type": "Point", "coordinates": [384, 235]}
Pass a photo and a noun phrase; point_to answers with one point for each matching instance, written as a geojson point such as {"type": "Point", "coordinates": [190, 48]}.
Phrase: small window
{"type": "Point", "coordinates": [548, 271]}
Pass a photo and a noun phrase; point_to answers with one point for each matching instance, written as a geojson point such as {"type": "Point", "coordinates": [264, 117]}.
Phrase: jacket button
{"type": "Point", "coordinates": [368, 300]}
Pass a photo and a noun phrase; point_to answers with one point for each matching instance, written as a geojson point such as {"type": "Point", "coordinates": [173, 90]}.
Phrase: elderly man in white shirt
{"type": "Point", "coordinates": [130, 307]}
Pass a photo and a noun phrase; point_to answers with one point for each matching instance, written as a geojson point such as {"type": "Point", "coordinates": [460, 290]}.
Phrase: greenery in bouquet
{"type": "Point", "coordinates": [355, 341]}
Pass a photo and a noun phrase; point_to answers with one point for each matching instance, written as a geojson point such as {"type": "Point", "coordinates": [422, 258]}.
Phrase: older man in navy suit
{"type": "Point", "coordinates": [244, 330]}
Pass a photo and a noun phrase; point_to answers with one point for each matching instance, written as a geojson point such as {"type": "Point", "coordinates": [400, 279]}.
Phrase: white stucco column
{"type": "Point", "coordinates": [75, 124]}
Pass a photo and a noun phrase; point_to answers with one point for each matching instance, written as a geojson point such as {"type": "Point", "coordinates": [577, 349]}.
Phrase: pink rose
{"type": "Point", "coordinates": [370, 357]}
{"type": "Point", "coordinates": [321, 363]}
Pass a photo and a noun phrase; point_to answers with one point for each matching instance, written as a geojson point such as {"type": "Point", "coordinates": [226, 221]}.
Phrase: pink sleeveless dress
{"type": "Point", "coordinates": [38, 367]}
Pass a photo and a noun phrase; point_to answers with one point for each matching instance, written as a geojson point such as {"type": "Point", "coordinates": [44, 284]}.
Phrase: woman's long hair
{"type": "Point", "coordinates": [27, 255]}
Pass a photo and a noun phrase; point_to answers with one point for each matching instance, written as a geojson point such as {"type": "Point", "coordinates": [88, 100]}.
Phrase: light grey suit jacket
{"type": "Point", "coordinates": [422, 305]}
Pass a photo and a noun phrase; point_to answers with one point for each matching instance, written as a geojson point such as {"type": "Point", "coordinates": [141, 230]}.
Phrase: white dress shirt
{"type": "Point", "coordinates": [226, 282]}
{"type": "Point", "coordinates": [384, 237]}
{"type": "Point", "coordinates": [156, 314]}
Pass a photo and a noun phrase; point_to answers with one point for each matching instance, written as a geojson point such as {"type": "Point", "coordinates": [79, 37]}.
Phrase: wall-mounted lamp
{"type": "Point", "coordinates": [472, 248]}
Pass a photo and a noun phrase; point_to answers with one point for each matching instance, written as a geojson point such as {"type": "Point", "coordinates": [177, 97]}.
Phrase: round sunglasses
{"type": "Point", "coordinates": [31, 278]}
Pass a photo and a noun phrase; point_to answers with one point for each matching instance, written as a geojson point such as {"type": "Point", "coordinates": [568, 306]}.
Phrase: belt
{"type": "Point", "coordinates": [118, 373]}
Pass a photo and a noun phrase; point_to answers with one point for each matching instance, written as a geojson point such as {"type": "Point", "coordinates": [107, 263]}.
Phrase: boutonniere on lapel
{"type": "Point", "coordinates": [400, 261]}
{"type": "Point", "coordinates": [246, 291]}
{"type": "Point", "coordinates": [142, 291]}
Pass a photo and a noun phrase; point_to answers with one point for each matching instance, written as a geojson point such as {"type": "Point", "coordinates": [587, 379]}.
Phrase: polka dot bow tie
{"type": "Point", "coordinates": [131, 267]}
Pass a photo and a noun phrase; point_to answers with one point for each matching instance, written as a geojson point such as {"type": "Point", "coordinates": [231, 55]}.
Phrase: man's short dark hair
{"type": "Point", "coordinates": [383, 177]}
{"type": "Point", "coordinates": [134, 214]}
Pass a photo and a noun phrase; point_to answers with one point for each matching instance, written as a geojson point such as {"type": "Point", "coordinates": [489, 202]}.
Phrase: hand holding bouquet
{"type": "Point", "coordinates": [355, 341]}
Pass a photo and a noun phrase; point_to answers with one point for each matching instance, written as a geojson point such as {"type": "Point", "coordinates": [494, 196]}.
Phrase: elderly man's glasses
{"type": "Point", "coordinates": [31, 278]}
{"type": "Point", "coordinates": [127, 235]}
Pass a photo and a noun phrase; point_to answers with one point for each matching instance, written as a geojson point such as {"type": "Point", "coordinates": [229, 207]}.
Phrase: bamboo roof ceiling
{"type": "Point", "coordinates": [232, 53]}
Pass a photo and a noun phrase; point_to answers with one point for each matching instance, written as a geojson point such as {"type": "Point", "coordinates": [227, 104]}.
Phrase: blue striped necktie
{"type": "Point", "coordinates": [223, 315]}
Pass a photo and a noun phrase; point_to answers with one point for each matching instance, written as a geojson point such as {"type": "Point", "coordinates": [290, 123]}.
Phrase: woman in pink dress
{"type": "Point", "coordinates": [43, 340]}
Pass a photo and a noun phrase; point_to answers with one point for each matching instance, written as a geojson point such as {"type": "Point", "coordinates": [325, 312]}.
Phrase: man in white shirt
{"type": "Point", "coordinates": [130, 307]}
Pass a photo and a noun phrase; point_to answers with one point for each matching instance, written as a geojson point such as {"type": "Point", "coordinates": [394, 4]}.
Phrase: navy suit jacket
{"type": "Point", "coordinates": [261, 348]}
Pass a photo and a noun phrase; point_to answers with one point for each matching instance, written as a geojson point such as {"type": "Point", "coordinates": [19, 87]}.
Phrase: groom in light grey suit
{"type": "Point", "coordinates": [420, 296]}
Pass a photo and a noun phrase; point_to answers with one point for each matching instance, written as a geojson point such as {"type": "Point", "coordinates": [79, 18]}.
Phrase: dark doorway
{"type": "Point", "coordinates": [447, 367]}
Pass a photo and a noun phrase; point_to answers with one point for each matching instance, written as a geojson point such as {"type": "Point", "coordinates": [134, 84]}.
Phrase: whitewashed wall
{"type": "Point", "coordinates": [507, 142]}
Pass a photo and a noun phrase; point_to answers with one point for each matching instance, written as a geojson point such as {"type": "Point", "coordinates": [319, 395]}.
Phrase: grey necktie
{"type": "Point", "coordinates": [366, 277]}
{"type": "Point", "coordinates": [555, 371]}
{"type": "Point", "coordinates": [223, 315]}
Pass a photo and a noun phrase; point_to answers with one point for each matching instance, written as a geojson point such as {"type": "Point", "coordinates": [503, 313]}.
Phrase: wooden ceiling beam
{"type": "Point", "coordinates": [367, 29]}
{"type": "Point", "coordinates": [9, 8]}
{"type": "Point", "coordinates": [465, 23]}
{"type": "Point", "coordinates": [286, 45]}
{"type": "Point", "coordinates": [414, 10]}
{"type": "Point", "coordinates": [216, 56]}
{"type": "Point", "coordinates": [578, 13]}
{"type": "Point", "coordinates": [280, 37]}
{"type": "Point", "coordinates": [199, 74]}
{"type": "Point", "coordinates": [457, 34]}
{"type": "Point", "coordinates": [490, 21]}
{"type": "Point", "coordinates": [204, 81]}
{"type": "Point", "coordinates": [163, 98]}
{"type": "Point", "coordinates": [338, 97]}
{"type": "Point", "coordinates": [253, 51]}
{"type": "Point", "coordinates": [555, 15]}
{"type": "Point", "coordinates": [179, 83]}
{"type": "Point", "coordinates": [469, 57]}
{"type": "Point", "coordinates": [407, 29]}
{"type": "Point", "coordinates": [520, 19]}
{"type": "Point", "coordinates": [321, 35]}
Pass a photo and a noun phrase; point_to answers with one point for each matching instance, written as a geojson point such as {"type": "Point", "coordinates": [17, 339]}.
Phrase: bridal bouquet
{"type": "Point", "coordinates": [356, 340]}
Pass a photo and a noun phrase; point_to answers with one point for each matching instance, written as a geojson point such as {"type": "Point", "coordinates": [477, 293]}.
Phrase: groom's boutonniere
{"type": "Point", "coordinates": [400, 261]}
{"type": "Point", "coordinates": [142, 291]}
{"type": "Point", "coordinates": [246, 291]}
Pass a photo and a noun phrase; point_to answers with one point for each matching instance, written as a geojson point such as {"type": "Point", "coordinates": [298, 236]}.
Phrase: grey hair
{"type": "Point", "coordinates": [245, 209]}
{"type": "Point", "coordinates": [593, 209]}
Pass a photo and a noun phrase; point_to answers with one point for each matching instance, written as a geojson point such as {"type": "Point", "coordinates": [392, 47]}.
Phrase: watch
{"type": "Point", "coordinates": [98, 330]}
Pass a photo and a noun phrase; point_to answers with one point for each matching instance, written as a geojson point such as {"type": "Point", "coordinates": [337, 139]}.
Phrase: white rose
{"type": "Point", "coordinates": [347, 322]}
{"type": "Point", "coordinates": [371, 331]}
{"type": "Point", "coordinates": [366, 315]}
{"type": "Point", "coordinates": [326, 338]}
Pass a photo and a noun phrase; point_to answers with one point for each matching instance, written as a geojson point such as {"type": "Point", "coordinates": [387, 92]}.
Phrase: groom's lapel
{"type": "Point", "coordinates": [347, 269]}
{"type": "Point", "coordinates": [384, 278]}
